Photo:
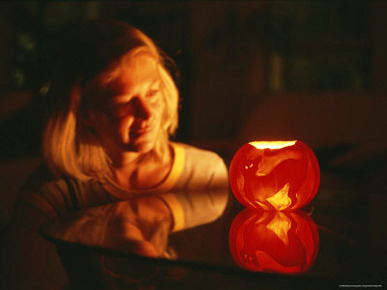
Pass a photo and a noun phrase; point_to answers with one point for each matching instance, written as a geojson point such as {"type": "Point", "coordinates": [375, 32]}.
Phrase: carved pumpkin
{"type": "Point", "coordinates": [274, 241]}
{"type": "Point", "coordinates": [274, 175]}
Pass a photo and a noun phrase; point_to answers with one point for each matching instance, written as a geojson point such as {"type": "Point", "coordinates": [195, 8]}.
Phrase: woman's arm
{"type": "Point", "coordinates": [25, 252]}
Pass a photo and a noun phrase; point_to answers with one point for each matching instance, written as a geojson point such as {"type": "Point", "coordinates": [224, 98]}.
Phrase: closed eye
{"type": "Point", "coordinates": [151, 93]}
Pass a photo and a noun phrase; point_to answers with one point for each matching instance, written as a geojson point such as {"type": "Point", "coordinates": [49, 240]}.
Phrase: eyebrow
{"type": "Point", "coordinates": [155, 81]}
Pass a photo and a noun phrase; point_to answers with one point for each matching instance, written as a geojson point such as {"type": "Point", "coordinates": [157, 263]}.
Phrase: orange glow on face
{"type": "Point", "coordinates": [274, 241]}
{"type": "Point", "coordinates": [277, 175]}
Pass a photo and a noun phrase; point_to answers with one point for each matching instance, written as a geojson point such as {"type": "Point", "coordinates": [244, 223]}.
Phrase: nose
{"type": "Point", "coordinates": [141, 109]}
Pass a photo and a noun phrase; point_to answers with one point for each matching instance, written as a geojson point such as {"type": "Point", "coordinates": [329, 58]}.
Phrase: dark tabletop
{"type": "Point", "coordinates": [338, 240]}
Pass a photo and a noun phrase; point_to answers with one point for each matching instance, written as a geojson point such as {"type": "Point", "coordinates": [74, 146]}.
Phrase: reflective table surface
{"type": "Point", "coordinates": [338, 240]}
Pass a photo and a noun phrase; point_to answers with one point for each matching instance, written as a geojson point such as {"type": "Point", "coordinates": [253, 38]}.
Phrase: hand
{"type": "Point", "coordinates": [140, 226]}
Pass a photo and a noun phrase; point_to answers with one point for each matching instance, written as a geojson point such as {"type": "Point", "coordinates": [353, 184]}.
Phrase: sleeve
{"type": "Point", "coordinates": [202, 170]}
{"type": "Point", "coordinates": [202, 193]}
{"type": "Point", "coordinates": [218, 173]}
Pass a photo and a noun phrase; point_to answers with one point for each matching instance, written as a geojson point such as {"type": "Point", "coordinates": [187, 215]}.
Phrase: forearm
{"type": "Point", "coordinates": [25, 252]}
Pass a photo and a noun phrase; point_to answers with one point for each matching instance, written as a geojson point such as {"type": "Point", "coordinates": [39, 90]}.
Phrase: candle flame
{"type": "Point", "coordinates": [272, 144]}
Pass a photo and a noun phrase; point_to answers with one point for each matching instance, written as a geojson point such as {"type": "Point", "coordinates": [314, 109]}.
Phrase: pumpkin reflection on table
{"type": "Point", "coordinates": [274, 241]}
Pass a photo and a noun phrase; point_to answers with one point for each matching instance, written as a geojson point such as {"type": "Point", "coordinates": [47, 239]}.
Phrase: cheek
{"type": "Point", "coordinates": [159, 112]}
{"type": "Point", "coordinates": [104, 127]}
{"type": "Point", "coordinates": [159, 115]}
{"type": "Point", "coordinates": [108, 125]}
{"type": "Point", "coordinates": [122, 125]}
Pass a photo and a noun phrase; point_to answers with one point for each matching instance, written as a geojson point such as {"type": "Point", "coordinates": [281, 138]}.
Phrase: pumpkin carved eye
{"type": "Point", "coordinates": [275, 175]}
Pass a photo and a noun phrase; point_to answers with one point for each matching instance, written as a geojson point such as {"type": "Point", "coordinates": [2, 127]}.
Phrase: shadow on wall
{"type": "Point", "coordinates": [347, 131]}
{"type": "Point", "coordinates": [319, 119]}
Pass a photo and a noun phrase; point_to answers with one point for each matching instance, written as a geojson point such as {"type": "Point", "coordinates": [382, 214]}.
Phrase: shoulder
{"type": "Point", "coordinates": [50, 194]}
{"type": "Point", "coordinates": [199, 156]}
{"type": "Point", "coordinates": [202, 168]}
{"type": "Point", "coordinates": [59, 195]}
{"type": "Point", "coordinates": [42, 178]}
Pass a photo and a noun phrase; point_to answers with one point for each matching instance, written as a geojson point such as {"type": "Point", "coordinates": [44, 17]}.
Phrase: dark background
{"type": "Point", "coordinates": [315, 71]}
{"type": "Point", "coordinates": [233, 56]}
{"type": "Point", "coordinates": [309, 70]}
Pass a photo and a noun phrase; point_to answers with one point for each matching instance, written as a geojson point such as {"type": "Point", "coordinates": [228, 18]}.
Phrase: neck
{"type": "Point", "coordinates": [140, 170]}
{"type": "Point", "coordinates": [128, 159]}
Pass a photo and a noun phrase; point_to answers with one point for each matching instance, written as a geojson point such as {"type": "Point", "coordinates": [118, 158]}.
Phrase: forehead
{"type": "Point", "coordinates": [134, 75]}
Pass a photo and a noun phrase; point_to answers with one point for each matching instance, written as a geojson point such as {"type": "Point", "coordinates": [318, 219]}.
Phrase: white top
{"type": "Point", "coordinates": [196, 172]}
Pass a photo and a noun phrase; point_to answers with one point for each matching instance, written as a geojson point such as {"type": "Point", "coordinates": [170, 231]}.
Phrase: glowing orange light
{"type": "Point", "coordinates": [274, 241]}
{"type": "Point", "coordinates": [274, 175]}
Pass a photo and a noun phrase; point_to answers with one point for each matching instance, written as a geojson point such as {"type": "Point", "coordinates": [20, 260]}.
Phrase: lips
{"type": "Point", "coordinates": [140, 131]}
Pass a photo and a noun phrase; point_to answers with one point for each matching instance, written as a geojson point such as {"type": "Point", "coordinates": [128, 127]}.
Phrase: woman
{"type": "Point", "coordinates": [107, 139]}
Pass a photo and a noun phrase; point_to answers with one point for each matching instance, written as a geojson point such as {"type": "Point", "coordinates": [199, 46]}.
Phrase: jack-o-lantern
{"type": "Point", "coordinates": [274, 175]}
{"type": "Point", "coordinates": [274, 241]}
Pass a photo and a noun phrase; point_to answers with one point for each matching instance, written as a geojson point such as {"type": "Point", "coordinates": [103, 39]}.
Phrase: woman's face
{"type": "Point", "coordinates": [130, 115]}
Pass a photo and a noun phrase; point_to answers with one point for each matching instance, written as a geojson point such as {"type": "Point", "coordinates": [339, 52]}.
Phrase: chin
{"type": "Point", "coordinates": [142, 144]}
{"type": "Point", "coordinates": [141, 147]}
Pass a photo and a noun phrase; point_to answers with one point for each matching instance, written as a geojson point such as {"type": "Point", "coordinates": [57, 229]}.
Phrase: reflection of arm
{"type": "Point", "coordinates": [194, 208]}
{"type": "Point", "coordinates": [140, 225]}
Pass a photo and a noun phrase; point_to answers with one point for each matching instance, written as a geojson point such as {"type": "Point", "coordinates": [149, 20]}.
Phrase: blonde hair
{"type": "Point", "coordinates": [94, 54]}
